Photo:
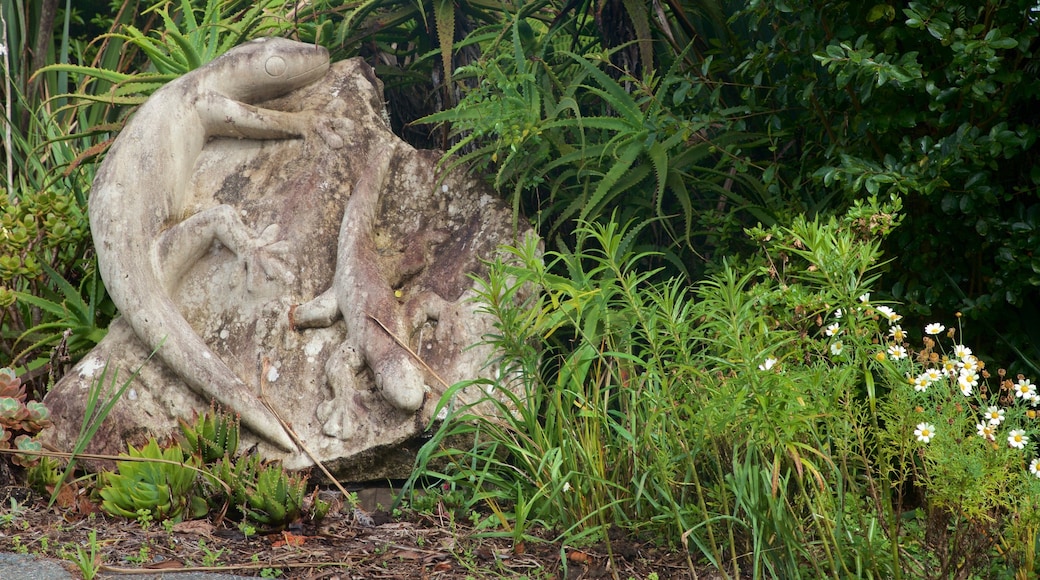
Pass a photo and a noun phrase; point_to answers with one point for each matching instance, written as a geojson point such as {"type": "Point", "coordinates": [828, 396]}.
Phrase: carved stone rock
{"type": "Point", "coordinates": [299, 301]}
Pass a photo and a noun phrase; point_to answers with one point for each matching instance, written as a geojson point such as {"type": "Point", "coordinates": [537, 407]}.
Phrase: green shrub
{"type": "Point", "coordinates": [763, 420]}
{"type": "Point", "coordinates": [51, 296]}
{"type": "Point", "coordinates": [568, 140]}
{"type": "Point", "coordinates": [932, 99]}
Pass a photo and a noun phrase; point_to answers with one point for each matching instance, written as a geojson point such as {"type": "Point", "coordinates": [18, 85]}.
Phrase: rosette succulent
{"type": "Point", "coordinates": [158, 481]}
{"type": "Point", "coordinates": [20, 420]}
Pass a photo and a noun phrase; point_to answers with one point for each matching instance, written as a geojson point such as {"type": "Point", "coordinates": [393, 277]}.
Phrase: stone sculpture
{"type": "Point", "coordinates": [143, 236]}
{"type": "Point", "coordinates": [270, 139]}
{"type": "Point", "coordinates": [371, 303]}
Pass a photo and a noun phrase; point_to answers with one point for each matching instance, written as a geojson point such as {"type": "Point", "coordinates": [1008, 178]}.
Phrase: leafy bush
{"type": "Point", "coordinates": [788, 108]}
{"type": "Point", "coordinates": [933, 100]}
{"type": "Point", "coordinates": [48, 283]}
{"type": "Point", "coordinates": [567, 140]}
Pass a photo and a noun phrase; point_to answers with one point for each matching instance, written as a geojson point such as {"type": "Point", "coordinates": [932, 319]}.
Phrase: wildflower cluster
{"type": "Point", "coordinates": [934, 371]}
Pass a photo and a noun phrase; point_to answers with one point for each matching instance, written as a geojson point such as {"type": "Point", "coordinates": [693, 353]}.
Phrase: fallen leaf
{"type": "Point", "coordinates": [442, 567]}
{"type": "Point", "coordinates": [200, 527]}
{"type": "Point", "coordinates": [484, 554]}
{"type": "Point", "coordinates": [67, 497]}
{"type": "Point", "coordinates": [85, 507]}
{"type": "Point", "coordinates": [289, 539]}
{"type": "Point", "coordinates": [578, 557]}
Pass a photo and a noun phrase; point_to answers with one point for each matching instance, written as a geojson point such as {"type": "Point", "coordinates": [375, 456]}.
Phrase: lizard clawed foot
{"type": "Point", "coordinates": [267, 256]}
{"type": "Point", "coordinates": [334, 130]}
{"type": "Point", "coordinates": [341, 371]}
{"type": "Point", "coordinates": [336, 419]}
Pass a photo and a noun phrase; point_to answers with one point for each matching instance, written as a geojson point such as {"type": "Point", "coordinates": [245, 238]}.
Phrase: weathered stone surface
{"type": "Point", "coordinates": [420, 241]}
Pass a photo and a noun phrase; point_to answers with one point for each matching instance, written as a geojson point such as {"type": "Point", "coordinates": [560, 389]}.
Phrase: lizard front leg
{"type": "Point", "coordinates": [224, 117]}
{"type": "Point", "coordinates": [181, 246]}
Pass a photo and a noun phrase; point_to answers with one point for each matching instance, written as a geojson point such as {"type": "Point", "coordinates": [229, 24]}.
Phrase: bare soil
{"type": "Point", "coordinates": [348, 543]}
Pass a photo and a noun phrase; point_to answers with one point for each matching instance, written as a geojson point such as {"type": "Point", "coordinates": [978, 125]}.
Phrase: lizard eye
{"type": "Point", "coordinates": [275, 66]}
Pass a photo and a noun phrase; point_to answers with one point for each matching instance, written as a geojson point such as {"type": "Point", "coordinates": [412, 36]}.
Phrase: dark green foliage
{"type": "Point", "coordinates": [936, 100]}
{"type": "Point", "coordinates": [786, 108]}
{"type": "Point", "coordinates": [568, 140]}
{"type": "Point", "coordinates": [415, 48]}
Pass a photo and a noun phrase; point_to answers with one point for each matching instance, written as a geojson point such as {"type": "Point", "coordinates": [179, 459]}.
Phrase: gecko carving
{"type": "Point", "coordinates": [354, 225]}
{"type": "Point", "coordinates": [138, 209]}
{"type": "Point", "coordinates": [372, 304]}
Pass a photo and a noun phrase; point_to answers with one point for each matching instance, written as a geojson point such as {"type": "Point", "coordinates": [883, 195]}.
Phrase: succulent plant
{"type": "Point", "coordinates": [165, 490]}
{"type": "Point", "coordinates": [261, 492]}
{"type": "Point", "coordinates": [276, 497]}
{"type": "Point", "coordinates": [12, 411]}
{"type": "Point", "coordinates": [213, 436]}
{"type": "Point", "coordinates": [10, 385]}
{"type": "Point", "coordinates": [236, 472]}
{"type": "Point", "coordinates": [20, 420]}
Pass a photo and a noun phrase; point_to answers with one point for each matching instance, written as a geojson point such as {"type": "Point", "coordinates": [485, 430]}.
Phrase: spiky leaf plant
{"type": "Point", "coordinates": [261, 492]}
{"type": "Point", "coordinates": [213, 435]}
{"type": "Point", "coordinates": [275, 499]}
{"type": "Point", "coordinates": [236, 473]}
{"type": "Point", "coordinates": [161, 481]}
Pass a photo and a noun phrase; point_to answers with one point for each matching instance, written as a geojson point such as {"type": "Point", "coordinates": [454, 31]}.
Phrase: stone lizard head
{"type": "Point", "coordinates": [269, 67]}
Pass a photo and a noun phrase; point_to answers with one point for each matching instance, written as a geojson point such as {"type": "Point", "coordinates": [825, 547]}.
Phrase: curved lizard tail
{"type": "Point", "coordinates": [157, 322]}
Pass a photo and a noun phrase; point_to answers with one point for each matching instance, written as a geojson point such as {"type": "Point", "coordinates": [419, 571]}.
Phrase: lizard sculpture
{"type": "Point", "coordinates": [362, 294]}
{"type": "Point", "coordinates": [145, 240]}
